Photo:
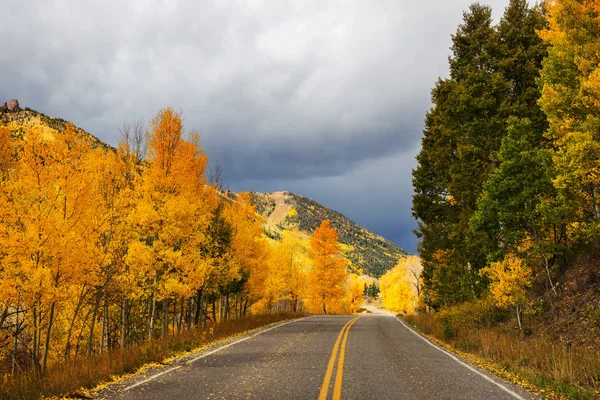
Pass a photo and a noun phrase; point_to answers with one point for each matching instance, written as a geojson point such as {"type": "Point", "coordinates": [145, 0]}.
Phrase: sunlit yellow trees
{"type": "Point", "coordinates": [325, 280]}
{"type": "Point", "coordinates": [510, 279]}
{"type": "Point", "coordinates": [570, 80]}
{"type": "Point", "coordinates": [355, 290]}
{"type": "Point", "coordinates": [47, 240]}
{"type": "Point", "coordinates": [291, 262]}
{"type": "Point", "coordinates": [250, 252]}
{"type": "Point", "coordinates": [172, 217]}
{"type": "Point", "coordinates": [396, 291]}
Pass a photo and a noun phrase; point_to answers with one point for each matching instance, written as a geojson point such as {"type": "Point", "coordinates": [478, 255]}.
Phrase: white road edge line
{"type": "Point", "coordinates": [152, 377]}
{"type": "Point", "coordinates": [212, 352]}
{"type": "Point", "coordinates": [452, 356]}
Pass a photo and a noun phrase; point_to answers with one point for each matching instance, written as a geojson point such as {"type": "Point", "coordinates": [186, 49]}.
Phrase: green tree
{"type": "Point", "coordinates": [493, 72]}
{"type": "Point", "coordinates": [460, 137]}
{"type": "Point", "coordinates": [509, 210]}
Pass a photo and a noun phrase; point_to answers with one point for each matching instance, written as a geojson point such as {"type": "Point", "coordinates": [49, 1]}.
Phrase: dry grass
{"type": "Point", "coordinates": [572, 371]}
{"type": "Point", "coordinates": [86, 372]}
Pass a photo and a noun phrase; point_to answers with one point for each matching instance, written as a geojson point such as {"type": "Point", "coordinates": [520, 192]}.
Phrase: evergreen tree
{"type": "Point", "coordinates": [509, 211]}
{"type": "Point", "coordinates": [493, 72]}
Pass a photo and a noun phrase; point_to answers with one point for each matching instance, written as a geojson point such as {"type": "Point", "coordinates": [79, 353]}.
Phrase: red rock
{"type": "Point", "coordinates": [4, 107]}
{"type": "Point", "coordinates": [14, 105]}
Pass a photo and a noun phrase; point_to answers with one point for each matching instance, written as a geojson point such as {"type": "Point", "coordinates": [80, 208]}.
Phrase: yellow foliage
{"type": "Point", "coordinates": [328, 273]}
{"type": "Point", "coordinates": [510, 279]}
{"type": "Point", "coordinates": [354, 293]}
{"type": "Point", "coordinates": [395, 288]}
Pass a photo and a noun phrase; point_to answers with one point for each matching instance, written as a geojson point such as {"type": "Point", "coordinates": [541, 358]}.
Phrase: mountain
{"type": "Point", "coordinates": [371, 253]}
{"type": "Point", "coordinates": [18, 121]}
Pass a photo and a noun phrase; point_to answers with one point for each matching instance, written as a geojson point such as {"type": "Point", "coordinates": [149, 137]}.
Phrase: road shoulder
{"type": "Point", "coordinates": [153, 370]}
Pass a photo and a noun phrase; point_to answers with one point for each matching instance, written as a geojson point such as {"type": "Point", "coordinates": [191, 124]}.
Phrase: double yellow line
{"type": "Point", "coordinates": [337, 389]}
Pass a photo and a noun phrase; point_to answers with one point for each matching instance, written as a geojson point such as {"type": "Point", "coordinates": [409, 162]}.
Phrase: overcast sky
{"type": "Point", "coordinates": [322, 98]}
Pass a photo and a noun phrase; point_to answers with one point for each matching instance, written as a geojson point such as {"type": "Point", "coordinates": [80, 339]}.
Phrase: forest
{"type": "Point", "coordinates": [104, 249]}
{"type": "Point", "coordinates": [507, 186]}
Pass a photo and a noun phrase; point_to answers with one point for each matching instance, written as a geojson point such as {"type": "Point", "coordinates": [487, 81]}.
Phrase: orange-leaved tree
{"type": "Point", "coordinates": [173, 216]}
{"type": "Point", "coordinates": [326, 279]}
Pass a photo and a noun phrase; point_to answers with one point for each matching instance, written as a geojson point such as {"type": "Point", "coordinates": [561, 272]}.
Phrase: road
{"type": "Point", "coordinates": [381, 358]}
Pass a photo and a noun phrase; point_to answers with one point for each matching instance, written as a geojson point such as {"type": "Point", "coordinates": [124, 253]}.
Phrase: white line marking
{"type": "Point", "coordinates": [452, 356]}
{"type": "Point", "coordinates": [212, 352]}
{"type": "Point", "coordinates": [152, 377]}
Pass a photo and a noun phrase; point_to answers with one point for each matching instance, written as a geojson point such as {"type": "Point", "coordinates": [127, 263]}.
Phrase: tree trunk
{"type": "Point", "coordinates": [152, 312]}
{"type": "Point", "coordinates": [72, 323]}
{"type": "Point", "coordinates": [124, 322]}
{"type": "Point", "coordinates": [214, 311]}
{"type": "Point", "coordinates": [35, 355]}
{"type": "Point", "coordinates": [245, 306]}
{"type": "Point", "coordinates": [547, 267]}
{"type": "Point", "coordinates": [519, 317]}
{"type": "Point", "coordinates": [198, 313]}
{"type": "Point", "coordinates": [80, 335]}
{"type": "Point", "coordinates": [47, 344]}
{"type": "Point", "coordinates": [165, 318]}
{"type": "Point", "coordinates": [104, 330]}
{"type": "Point", "coordinates": [90, 345]}
{"type": "Point", "coordinates": [181, 314]}
{"type": "Point", "coordinates": [15, 342]}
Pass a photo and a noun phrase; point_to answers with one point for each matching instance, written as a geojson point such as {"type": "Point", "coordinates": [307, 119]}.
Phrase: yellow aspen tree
{"type": "Point", "coordinates": [326, 279]}
{"type": "Point", "coordinates": [250, 252]}
{"type": "Point", "coordinates": [174, 212]}
{"type": "Point", "coordinates": [291, 259]}
{"type": "Point", "coordinates": [570, 80]}
{"type": "Point", "coordinates": [355, 292]}
{"type": "Point", "coordinates": [396, 291]}
{"type": "Point", "coordinates": [49, 243]}
{"type": "Point", "coordinates": [510, 279]}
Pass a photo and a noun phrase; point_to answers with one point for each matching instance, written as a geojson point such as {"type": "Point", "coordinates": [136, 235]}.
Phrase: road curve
{"type": "Point", "coordinates": [382, 359]}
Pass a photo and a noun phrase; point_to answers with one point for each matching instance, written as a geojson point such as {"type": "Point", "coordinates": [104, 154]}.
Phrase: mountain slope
{"type": "Point", "coordinates": [20, 120]}
{"type": "Point", "coordinates": [371, 253]}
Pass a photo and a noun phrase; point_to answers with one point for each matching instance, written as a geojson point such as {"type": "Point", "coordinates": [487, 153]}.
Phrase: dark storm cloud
{"type": "Point", "coordinates": [325, 98]}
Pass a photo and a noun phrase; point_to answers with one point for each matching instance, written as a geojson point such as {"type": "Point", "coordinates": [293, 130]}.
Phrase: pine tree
{"type": "Point", "coordinates": [493, 71]}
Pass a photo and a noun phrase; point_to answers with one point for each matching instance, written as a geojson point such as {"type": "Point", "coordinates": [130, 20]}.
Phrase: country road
{"type": "Point", "coordinates": [380, 358]}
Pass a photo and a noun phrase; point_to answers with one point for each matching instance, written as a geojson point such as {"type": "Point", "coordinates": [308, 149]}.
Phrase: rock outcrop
{"type": "Point", "coordinates": [4, 107]}
{"type": "Point", "coordinates": [13, 106]}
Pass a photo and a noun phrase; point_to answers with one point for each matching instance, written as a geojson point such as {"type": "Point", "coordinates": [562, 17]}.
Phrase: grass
{"type": "Point", "coordinates": [553, 369]}
{"type": "Point", "coordinates": [72, 378]}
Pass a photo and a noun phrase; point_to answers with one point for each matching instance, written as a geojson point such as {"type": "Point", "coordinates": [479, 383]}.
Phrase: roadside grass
{"type": "Point", "coordinates": [552, 369]}
{"type": "Point", "coordinates": [74, 378]}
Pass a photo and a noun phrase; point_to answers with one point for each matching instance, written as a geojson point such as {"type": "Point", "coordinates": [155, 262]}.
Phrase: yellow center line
{"type": "Point", "coordinates": [337, 390]}
{"type": "Point", "coordinates": [331, 364]}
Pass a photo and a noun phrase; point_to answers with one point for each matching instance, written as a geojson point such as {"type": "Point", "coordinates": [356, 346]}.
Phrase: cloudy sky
{"type": "Point", "coordinates": [322, 98]}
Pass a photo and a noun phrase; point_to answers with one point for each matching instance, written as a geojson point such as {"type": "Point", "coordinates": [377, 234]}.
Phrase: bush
{"type": "Point", "coordinates": [471, 315]}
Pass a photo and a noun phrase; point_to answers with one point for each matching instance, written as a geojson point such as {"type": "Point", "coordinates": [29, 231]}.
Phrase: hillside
{"type": "Point", "coordinates": [365, 250]}
{"type": "Point", "coordinates": [21, 119]}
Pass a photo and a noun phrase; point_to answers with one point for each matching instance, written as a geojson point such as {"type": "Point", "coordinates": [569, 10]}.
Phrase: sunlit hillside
{"type": "Point", "coordinates": [18, 122]}
{"type": "Point", "coordinates": [366, 251]}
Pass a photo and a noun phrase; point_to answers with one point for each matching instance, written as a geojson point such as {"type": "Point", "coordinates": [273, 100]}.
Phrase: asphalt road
{"type": "Point", "coordinates": [382, 359]}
